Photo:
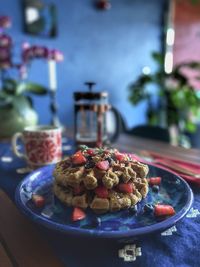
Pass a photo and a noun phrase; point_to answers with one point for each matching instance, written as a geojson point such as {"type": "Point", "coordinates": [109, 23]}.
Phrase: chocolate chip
{"type": "Point", "coordinates": [90, 164]}
{"type": "Point", "coordinates": [89, 157]}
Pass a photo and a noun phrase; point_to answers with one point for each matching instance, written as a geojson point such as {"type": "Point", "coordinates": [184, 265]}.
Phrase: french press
{"type": "Point", "coordinates": [90, 117]}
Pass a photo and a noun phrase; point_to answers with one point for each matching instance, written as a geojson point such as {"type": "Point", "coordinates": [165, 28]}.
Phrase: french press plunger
{"type": "Point", "coordinates": [90, 117]}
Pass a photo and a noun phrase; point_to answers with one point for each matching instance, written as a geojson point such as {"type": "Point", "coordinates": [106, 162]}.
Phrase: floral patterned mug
{"type": "Point", "coordinates": [43, 145]}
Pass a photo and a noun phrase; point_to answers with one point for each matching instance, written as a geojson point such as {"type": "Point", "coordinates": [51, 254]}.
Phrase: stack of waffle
{"type": "Point", "coordinates": [103, 180]}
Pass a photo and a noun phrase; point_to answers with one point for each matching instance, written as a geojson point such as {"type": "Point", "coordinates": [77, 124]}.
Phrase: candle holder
{"type": "Point", "coordinates": [90, 117]}
{"type": "Point", "coordinates": [53, 89]}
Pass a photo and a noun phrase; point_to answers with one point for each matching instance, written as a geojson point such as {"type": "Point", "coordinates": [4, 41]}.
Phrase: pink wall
{"type": "Point", "coordinates": [187, 35]}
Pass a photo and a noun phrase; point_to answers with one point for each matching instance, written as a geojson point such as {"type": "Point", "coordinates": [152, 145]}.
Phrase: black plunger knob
{"type": "Point", "coordinates": [90, 85]}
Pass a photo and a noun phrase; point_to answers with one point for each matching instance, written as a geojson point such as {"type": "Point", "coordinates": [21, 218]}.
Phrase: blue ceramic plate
{"type": "Point", "coordinates": [124, 224]}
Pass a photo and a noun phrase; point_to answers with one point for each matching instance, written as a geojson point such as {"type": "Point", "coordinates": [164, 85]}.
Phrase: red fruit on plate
{"type": "Point", "coordinates": [101, 192]}
{"type": "Point", "coordinates": [78, 190]}
{"type": "Point", "coordinates": [38, 200]}
{"type": "Point", "coordinates": [163, 210]}
{"type": "Point", "coordinates": [119, 156]}
{"type": "Point", "coordinates": [78, 158]}
{"type": "Point", "coordinates": [103, 165]}
{"type": "Point", "coordinates": [125, 188]}
{"type": "Point", "coordinates": [91, 152]}
{"type": "Point", "coordinates": [78, 214]}
{"type": "Point", "coordinates": [154, 180]}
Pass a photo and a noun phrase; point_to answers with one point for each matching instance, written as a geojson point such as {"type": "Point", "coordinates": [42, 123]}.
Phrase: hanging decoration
{"type": "Point", "coordinates": [103, 4]}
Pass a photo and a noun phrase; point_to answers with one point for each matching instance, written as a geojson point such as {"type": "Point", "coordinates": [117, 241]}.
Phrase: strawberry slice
{"type": "Point", "coordinates": [119, 156]}
{"type": "Point", "coordinates": [163, 210]}
{"type": "Point", "coordinates": [154, 180]}
{"type": "Point", "coordinates": [101, 192]}
{"type": "Point", "coordinates": [38, 200]}
{"type": "Point", "coordinates": [78, 190]}
{"type": "Point", "coordinates": [91, 152]}
{"type": "Point", "coordinates": [125, 188]}
{"type": "Point", "coordinates": [78, 158]}
{"type": "Point", "coordinates": [78, 214]}
{"type": "Point", "coordinates": [103, 165]}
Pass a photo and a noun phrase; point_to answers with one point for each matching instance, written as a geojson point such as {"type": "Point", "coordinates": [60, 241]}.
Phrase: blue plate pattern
{"type": "Point", "coordinates": [127, 223]}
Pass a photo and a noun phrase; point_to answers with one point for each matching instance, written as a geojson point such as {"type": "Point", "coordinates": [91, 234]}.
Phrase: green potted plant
{"type": "Point", "coordinates": [179, 101]}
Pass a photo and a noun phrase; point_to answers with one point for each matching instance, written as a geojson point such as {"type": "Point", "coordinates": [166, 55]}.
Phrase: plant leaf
{"type": "Point", "coordinates": [158, 57]}
{"type": "Point", "coordinates": [190, 127]}
{"type": "Point", "coordinates": [3, 94]}
{"type": "Point", "coordinates": [32, 88]}
{"type": "Point", "coordinates": [183, 80]}
{"type": "Point", "coordinates": [9, 86]}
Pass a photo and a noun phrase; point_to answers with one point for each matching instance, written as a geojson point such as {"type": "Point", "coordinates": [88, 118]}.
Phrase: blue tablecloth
{"type": "Point", "coordinates": [178, 246]}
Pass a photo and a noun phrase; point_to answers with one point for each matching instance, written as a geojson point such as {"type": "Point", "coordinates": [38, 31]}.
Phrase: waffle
{"type": "Point", "coordinates": [100, 179]}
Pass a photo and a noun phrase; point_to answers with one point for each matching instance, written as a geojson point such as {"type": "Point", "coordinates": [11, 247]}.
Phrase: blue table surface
{"type": "Point", "coordinates": [179, 246]}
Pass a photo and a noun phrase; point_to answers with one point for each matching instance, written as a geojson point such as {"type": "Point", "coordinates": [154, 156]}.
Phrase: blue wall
{"type": "Point", "coordinates": [109, 47]}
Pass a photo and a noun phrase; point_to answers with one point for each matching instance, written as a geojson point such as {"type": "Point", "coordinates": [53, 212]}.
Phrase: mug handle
{"type": "Point", "coordinates": [14, 140]}
{"type": "Point", "coordinates": [119, 124]}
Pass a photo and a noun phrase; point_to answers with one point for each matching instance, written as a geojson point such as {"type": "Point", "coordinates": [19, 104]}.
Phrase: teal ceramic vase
{"type": "Point", "coordinates": [15, 114]}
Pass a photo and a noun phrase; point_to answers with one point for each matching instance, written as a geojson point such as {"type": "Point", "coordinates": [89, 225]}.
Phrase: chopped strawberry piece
{"type": "Point", "coordinates": [101, 192]}
{"type": "Point", "coordinates": [78, 158]}
{"type": "Point", "coordinates": [125, 188]}
{"type": "Point", "coordinates": [91, 152]}
{"type": "Point", "coordinates": [103, 165]}
{"type": "Point", "coordinates": [78, 190]}
{"type": "Point", "coordinates": [119, 156]}
{"type": "Point", "coordinates": [38, 200]}
{"type": "Point", "coordinates": [78, 214]}
{"type": "Point", "coordinates": [154, 180]}
{"type": "Point", "coordinates": [163, 210]}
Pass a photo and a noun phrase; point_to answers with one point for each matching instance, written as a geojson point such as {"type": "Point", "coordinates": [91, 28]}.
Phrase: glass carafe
{"type": "Point", "coordinates": [90, 117]}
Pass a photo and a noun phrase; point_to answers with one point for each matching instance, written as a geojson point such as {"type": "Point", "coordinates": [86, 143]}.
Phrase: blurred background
{"type": "Point", "coordinates": [144, 53]}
